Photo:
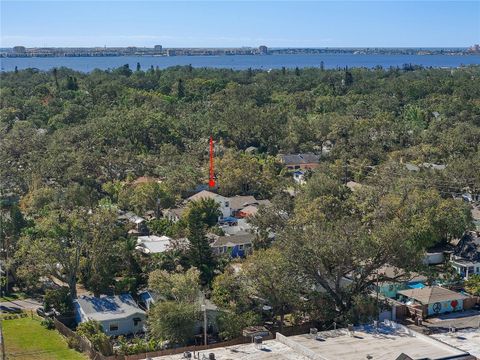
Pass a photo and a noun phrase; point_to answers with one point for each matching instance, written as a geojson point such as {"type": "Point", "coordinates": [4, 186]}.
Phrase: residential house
{"type": "Point", "coordinates": [137, 223]}
{"type": "Point", "coordinates": [239, 202]}
{"type": "Point", "coordinates": [118, 315]}
{"type": "Point", "coordinates": [222, 201]}
{"type": "Point", "coordinates": [248, 211]}
{"type": "Point", "coordinates": [240, 227]}
{"type": "Point", "coordinates": [235, 245]}
{"type": "Point", "coordinates": [300, 161]}
{"type": "Point", "coordinates": [434, 300]}
{"type": "Point", "coordinates": [153, 244]}
{"type": "Point", "coordinates": [299, 177]}
{"type": "Point", "coordinates": [174, 214]}
{"type": "Point", "coordinates": [466, 255]}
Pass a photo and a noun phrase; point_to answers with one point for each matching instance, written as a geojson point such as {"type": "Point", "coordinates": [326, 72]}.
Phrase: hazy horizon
{"type": "Point", "coordinates": [202, 24]}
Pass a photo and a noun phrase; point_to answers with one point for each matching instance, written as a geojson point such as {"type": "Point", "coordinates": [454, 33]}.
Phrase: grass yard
{"type": "Point", "coordinates": [26, 339]}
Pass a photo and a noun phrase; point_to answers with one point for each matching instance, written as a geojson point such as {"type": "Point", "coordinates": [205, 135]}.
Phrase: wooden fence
{"type": "Point", "coordinates": [470, 302]}
{"type": "Point", "coordinates": [84, 345]}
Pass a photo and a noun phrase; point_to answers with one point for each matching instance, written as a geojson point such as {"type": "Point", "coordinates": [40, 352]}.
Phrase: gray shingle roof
{"type": "Point", "coordinates": [293, 159]}
{"type": "Point", "coordinates": [233, 240]}
{"type": "Point", "coordinates": [108, 307]}
{"type": "Point", "coordinates": [468, 247]}
{"type": "Point", "coordinates": [239, 202]}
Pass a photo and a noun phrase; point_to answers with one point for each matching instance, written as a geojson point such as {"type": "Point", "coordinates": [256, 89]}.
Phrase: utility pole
{"type": "Point", "coordinates": [204, 309]}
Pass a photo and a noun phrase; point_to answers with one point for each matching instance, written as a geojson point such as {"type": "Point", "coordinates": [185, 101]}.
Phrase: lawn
{"type": "Point", "coordinates": [26, 339]}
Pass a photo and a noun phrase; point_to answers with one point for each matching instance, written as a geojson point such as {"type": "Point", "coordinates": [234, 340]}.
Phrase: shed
{"type": "Point", "coordinates": [435, 299]}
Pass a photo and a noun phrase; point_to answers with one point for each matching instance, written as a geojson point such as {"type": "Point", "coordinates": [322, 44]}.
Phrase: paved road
{"type": "Point", "coordinates": [25, 304]}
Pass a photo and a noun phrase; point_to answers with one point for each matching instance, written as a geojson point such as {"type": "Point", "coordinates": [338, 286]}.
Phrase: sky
{"type": "Point", "coordinates": [388, 23]}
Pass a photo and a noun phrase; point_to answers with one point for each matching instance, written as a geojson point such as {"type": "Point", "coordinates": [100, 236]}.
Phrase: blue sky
{"type": "Point", "coordinates": [240, 23]}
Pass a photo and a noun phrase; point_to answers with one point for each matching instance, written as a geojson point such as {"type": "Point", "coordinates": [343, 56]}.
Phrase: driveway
{"type": "Point", "coordinates": [459, 320]}
{"type": "Point", "coordinates": [16, 305]}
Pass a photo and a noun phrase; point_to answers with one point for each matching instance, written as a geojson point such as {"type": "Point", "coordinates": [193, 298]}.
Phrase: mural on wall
{"type": "Point", "coordinates": [445, 306]}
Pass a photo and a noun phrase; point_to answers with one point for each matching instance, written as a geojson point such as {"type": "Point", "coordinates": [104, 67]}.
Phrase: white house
{"type": "Point", "coordinates": [118, 315]}
{"type": "Point", "coordinates": [222, 201]}
{"type": "Point", "coordinates": [466, 255]}
{"type": "Point", "coordinates": [153, 244]}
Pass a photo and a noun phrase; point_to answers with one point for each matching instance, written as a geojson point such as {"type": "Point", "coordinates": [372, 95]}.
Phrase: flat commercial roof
{"type": "Point", "coordinates": [466, 339]}
{"type": "Point", "coordinates": [386, 343]}
{"type": "Point", "coordinates": [272, 350]}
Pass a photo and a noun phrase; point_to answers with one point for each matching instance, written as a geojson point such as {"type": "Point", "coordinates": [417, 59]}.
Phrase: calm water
{"type": "Point", "coordinates": [239, 62]}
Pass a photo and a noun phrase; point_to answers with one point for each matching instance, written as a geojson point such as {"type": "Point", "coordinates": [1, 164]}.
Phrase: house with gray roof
{"type": "Point", "coordinates": [466, 255]}
{"type": "Point", "coordinates": [118, 315]}
{"type": "Point", "coordinates": [235, 245]}
{"type": "Point", "coordinates": [300, 161]}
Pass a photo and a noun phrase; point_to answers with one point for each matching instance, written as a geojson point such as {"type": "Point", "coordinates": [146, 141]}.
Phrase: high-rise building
{"type": "Point", "coordinates": [157, 48]}
{"type": "Point", "coordinates": [262, 50]}
{"type": "Point", "coordinates": [19, 49]}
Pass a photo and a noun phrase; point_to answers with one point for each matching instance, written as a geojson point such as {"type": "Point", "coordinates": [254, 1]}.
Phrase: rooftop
{"type": "Point", "coordinates": [153, 244]}
{"type": "Point", "coordinates": [249, 210]}
{"type": "Point", "coordinates": [432, 294]}
{"type": "Point", "coordinates": [238, 202]}
{"type": "Point", "coordinates": [392, 272]}
{"type": "Point", "coordinates": [366, 343]}
{"type": "Point", "coordinates": [466, 339]}
{"type": "Point", "coordinates": [293, 159]}
{"type": "Point", "coordinates": [108, 307]}
{"type": "Point", "coordinates": [233, 240]}
{"type": "Point", "coordinates": [468, 247]}
{"type": "Point", "coordinates": [204, 194]}
{"type": "Point", "coordinates": [386, 343]}
{"type": "Point", "coordinates": [272, 350]}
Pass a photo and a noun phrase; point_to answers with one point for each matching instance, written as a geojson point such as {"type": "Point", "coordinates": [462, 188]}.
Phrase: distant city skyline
{"type": "Point", "coordinates": [240, 23]}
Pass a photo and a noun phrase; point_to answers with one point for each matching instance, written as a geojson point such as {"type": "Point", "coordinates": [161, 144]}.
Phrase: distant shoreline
{"type": "Point", "coordinates": [23, 52]}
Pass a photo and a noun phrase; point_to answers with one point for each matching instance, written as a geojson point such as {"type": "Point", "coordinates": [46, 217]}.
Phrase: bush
{"type": "Point", "coordinates": [93, 331]}
{"type": "Point", "coordinates": [74, 343]}
{"type": "Point", "coordinates": [48, 323]}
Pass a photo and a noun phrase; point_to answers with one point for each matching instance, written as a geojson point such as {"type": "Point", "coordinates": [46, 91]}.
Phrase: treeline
{"type": "Point", "coordinates": [72, 146]}
{"type": "Point", "coordinates": [67, 127]}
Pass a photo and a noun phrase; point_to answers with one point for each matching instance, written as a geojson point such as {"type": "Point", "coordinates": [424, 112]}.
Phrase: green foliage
{"type": "Point", "coordinates": [137, 346]}
{"type": "Point", "coordinates": [229, 292]}
{"type": "Point", "coordinates": [205, 210]}
{"type": "Point", "coordinates": [178, 286]}
{"type": "Point", "coordinates": [173, 321]}
{"type": "Point", "coordinates": [199, 253]}
{"type": "Point", "coordinates": [59, 299]}
{"type": "Point", "coordinates": [472, 285]}
{"type": "Point", "coordinates": [47, 323]}
{"type": "Point", "coordinates": [262, 272]}
{"type": "Point", "coordinates": [93, 331]}
{"type": "Point", "coordinates": [231, 324]}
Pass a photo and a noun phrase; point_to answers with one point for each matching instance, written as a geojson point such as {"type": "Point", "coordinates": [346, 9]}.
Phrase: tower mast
{"type": "Point", "coordinates": [211, 182]}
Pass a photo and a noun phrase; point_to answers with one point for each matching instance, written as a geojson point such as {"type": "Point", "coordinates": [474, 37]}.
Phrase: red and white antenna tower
{"type": "Point", "coordinates": [211, 182]}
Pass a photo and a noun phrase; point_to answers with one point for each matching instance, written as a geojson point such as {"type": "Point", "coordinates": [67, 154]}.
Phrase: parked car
{"type": "Point", "coordinates": [50, 313]}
